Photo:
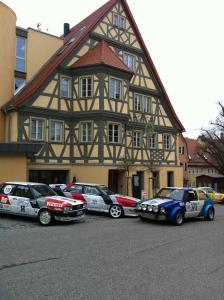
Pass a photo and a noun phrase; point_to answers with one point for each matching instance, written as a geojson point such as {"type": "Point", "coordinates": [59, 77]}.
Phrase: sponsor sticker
{"type": "Point", "coordinates": [4, 200]}
{"type": "Point", "coordinates": [7, 189]}
{"type": "Point", "coordinates": [188, 206]}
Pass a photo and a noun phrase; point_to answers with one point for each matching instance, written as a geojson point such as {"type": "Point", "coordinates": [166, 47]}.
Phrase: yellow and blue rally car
{"type": "Point", "coordinates": [176, 204]}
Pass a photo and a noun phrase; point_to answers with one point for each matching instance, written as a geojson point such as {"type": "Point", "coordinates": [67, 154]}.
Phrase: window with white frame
{"type": "Point", "coordinates": [86, 87]}
{"type": "Point", "coordinates": [65, 86]}
{"type": "Point", "coordinates": [119, 21]}
{"type": "Point", "coordinates": [37, 129]}
{"type": "Point", "coordinates": [137, 139]}
{"type": "Point", "coordinates": [152, 141]}
{"type": "Point", "coordinates": [146, 104]}
{"type": "Point", "coordinates": [129, 60]}
{"type": "Point", "coordinates": [115, 20]}
{"type": "Point", "coordinates": [20, 54]}
{"type": "Point", "coordinates": [86, 132]}
{"type": "Point", "coordinates": [142, 103]}
{"type": "Point", "coordinates": [167, 141]}
{"type": "Point", "coordinates": [56, 131]}
{"type": "Point", "coordinates": [122, 23]}
{"type": "Point", "coordinates": [138, 102]}
{"type": "Point", "coordinates": [114, 132]}
{"type": "Point", "coordinates": [115, 88]}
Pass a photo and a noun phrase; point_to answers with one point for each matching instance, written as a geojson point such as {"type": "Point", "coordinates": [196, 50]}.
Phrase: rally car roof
{"type": "Point", "coordinates": [24, 183]}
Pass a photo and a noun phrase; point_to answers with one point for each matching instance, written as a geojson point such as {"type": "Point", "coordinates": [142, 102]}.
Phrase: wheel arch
{"type": "Point", "coordinates": [207, 209]}
{"type": "Point", "coordinates": [174, 212]}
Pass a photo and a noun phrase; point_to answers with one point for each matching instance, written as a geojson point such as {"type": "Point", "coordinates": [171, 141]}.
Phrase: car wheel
{"type": "Point", "coordinates": [142, 218]}
{"type": "Point", "coordinates": [116, 211]}
{"type": "Point", "coordinates": [210, 215]}
{"type": "Point", "coordinates": [45, 217]}
{"type": "Point", "coordinates": [179, 218]}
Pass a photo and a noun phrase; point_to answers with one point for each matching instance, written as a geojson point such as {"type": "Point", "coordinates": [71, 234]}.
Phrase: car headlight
{"type": "Point", "coordinates": [155, 209]}
{"type": "Point", "coordinates": [149, 208]}
{"type": "Point", "coordinates": [67, 209]}
{"type": "Point", "coordinates": [144, 207]}
{"type": "Point", "coordinates": [162, 210]}
{"type": "Point", "coordinates": [138, 207]}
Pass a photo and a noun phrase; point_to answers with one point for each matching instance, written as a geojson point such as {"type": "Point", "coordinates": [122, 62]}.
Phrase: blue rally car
{"type": "Point", "coordinates": [175, 204]}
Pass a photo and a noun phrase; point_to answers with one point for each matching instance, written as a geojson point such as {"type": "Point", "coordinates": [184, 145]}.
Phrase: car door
{"type": "Point", "coordinates": [192, 203]}
{"type": "Point", "coordinates": [22, 197]}
{"type": "Point", "coordinates": [94, 199]}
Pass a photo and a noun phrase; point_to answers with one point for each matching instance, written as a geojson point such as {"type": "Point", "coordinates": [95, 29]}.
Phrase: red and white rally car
{"type": "Point", "coordinates": [40, 201]}
{"type": "Point", "coordinates": [99, 198]}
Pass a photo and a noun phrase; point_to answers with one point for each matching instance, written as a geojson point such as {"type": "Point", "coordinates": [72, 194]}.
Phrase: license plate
{"type": "Point", "coordinates": [79, 213]}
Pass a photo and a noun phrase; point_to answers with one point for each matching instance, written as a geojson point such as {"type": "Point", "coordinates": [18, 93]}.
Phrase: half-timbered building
{"type": "Point", "coordinates": [99, 110]}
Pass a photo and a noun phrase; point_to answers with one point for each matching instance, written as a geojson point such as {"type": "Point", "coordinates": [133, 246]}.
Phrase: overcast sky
{"type": "Point", "coordinates": [184, 37]}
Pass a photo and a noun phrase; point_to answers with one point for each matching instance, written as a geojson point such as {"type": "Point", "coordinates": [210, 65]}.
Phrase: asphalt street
{"type": "Point", "coordinates": [103, 258]}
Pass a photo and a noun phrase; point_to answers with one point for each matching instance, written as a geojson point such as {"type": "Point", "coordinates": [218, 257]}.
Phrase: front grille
{"type": "Point", "coordinates": [77, 207]}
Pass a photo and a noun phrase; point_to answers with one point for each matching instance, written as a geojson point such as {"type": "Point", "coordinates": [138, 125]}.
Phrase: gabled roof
{"type": "Point", "coordinates": [101, 54]}
{"type": "Point", "coordinates": [193, 148]}
{"type": "Point", "coordinates": [77, 34]}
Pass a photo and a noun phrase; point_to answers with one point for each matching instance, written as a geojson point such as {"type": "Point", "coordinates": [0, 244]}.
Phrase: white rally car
{"type": "Point", "coordinates": [40, 201]}
{"type": "Point", "coordinates": [98, 197]}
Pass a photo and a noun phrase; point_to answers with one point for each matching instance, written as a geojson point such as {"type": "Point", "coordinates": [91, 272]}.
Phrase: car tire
{"type": "Point", "coordinates": [179, 218]}
{"type": "Point", "coordinates": [143, 219]}
{"type": "Point", "coordinates": [116, 211]}
{"type": "Point", "coordinates": [210, 214]}
{"type": "Point", "coordinates": [45, 217]}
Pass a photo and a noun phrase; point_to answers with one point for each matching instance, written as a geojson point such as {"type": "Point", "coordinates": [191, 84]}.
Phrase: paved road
{"type": "Point", "coordinates": [103, 258]}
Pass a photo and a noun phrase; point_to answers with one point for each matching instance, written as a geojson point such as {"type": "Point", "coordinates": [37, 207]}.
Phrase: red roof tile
{"type": "Point", "coordinates": [193, 148]}
{"type": "Point", "coordinates": [101, 54]}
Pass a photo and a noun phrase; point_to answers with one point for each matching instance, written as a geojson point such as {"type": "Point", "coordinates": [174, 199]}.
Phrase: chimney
{"type": "Point", "coordinates": [66, 29]}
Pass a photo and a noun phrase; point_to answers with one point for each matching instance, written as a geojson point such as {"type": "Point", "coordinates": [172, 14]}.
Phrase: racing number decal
{"type": "Point", "coordinates": [23, 208]}
{"type": "Point", "coordinates": [191, 206]}
{"type": "Point", "coordinates": [194, 206]}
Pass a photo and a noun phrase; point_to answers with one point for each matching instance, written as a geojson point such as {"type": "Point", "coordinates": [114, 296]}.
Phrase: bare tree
{"type": "Point", "coordinates": [211, 148]}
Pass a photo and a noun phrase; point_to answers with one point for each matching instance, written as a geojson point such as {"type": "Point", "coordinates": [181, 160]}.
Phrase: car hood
{"type": "Point", "coordinates": [61, 201]}
{"type": "Point", "coordinates": [162, 202]}
{"type": "Point", "coordinates": [123, 197]}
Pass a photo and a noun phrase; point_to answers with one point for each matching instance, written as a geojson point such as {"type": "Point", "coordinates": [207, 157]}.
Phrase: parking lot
{"type": "Point", "coordinates": [103, 258]}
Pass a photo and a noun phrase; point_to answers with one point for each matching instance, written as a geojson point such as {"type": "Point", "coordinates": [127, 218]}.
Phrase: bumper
{"type": "Point", "coordinates": [151, 216]}
{"type": "Point", "coordinates": [130, 211]}
{"type": "Point", "coordinates": [71, 216]}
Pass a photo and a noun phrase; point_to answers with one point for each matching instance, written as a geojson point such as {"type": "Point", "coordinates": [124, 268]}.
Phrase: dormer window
{"type": "Point", "coordinates": [65, 87]}
{"type": "Point", "coordinates": [119, 21]}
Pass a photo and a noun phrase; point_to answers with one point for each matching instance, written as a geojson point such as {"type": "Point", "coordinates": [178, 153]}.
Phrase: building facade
{"type": "Point", "coordinates": [94, 107]}
{"type": "Point", "coordinates": [201, 173]}
{"type": "Point", "coordinates": [184, 159]}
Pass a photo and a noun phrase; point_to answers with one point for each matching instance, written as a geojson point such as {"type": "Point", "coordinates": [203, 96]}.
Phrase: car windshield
{"type": "Point", "coordinates": [42, 191]}
{"type": "Point", "coordinates": [175, 194]}
{"type": "Point", "coordinates": [105, 190]}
